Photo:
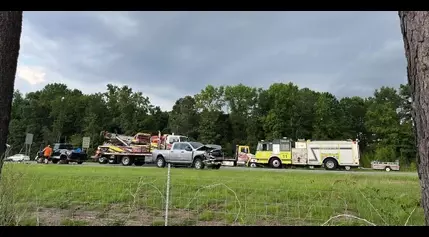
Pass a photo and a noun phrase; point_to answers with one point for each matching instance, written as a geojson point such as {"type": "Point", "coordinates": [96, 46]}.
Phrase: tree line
{"type": "Point", "coordinates": [224, 115]}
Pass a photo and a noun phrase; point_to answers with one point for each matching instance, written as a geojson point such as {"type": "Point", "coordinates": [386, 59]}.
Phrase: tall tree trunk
{"type": "Point", "coordinates": [10, 35]}
{"type": "Point", "coordinates": [415, 31]}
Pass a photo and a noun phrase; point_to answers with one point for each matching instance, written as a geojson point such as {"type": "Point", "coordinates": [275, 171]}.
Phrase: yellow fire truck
{"type": "Point", "coordinates": [328, 154]}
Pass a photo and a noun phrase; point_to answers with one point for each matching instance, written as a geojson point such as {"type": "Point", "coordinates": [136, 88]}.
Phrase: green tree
{"type": "Point", "coordinates": [281, 118]}
{"type": "Point", "coordinates": [210, 103]}
{"type": "Point", "coordinates": [383, 122]}
{"type": "Point", "coordinates": [354, 110]}
{"type": "Point", "coordinates": [241, 101]}
{"type": "Point", "coordinates": [328, 118]}
{"type": "Point", "coordinates": [184, 118]}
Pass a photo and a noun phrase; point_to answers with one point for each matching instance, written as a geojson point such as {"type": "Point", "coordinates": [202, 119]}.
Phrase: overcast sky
{"type": "Point", "coordinates": [168, 55]}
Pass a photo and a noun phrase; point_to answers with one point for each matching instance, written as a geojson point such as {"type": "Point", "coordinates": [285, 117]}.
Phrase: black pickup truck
{"type": "Point", "coordinates": [64, 153]}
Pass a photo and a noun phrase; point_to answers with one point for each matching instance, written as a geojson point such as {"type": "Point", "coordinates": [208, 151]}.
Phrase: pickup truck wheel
{"type": "Point", "coordinates": [198, 164]}
{"type": "Point", "coordinates": [160, 162]}
{"type": "Point", "coordinates": [126, 161]}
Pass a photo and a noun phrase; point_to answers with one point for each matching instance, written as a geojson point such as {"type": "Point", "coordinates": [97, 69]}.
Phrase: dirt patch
{"type": "Point", "coordinates": [118, 216]}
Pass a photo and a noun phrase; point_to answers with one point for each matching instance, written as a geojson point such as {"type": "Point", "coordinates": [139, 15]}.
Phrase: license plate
{"type": "Point", "coordinates": [228, 163]}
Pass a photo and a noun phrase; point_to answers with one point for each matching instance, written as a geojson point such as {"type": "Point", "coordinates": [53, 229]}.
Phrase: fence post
{"type": "Point", "coordinates": [167, 194]}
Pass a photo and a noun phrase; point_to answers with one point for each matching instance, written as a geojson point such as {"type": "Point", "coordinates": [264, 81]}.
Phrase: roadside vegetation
{"type": "Point", "coordinates": [103, 195]}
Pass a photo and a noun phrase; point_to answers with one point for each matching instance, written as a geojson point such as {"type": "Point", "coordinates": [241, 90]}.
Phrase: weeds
{"type": "Point", "coordinates": [106, 195]}
{"type": "Point", "coordinates": [11, 211]}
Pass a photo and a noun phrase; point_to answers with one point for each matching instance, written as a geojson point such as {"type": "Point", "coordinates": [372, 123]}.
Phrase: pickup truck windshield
{"type": "Point", "coordinates": [196, 145]}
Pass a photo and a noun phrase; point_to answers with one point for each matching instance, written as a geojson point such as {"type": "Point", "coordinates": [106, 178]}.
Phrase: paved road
{"type": "Point", "coordinates": [246, 169]}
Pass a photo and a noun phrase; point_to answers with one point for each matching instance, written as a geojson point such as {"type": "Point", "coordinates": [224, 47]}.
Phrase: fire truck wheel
{"type": "Point", "coordinates": [160, 162]}
{"type": "Point", "coordinates": [275, 163]}
{"type": "Point", "coordinates": [102, 160]}
{"type": "Point", "coordinates": [388, 169]}
{"type": "Point", "coordinates": [198, 164]}
{"type": "Point", "coordinates": [126, 161]}
{"type": "Point", "coordinates": [330, 164]}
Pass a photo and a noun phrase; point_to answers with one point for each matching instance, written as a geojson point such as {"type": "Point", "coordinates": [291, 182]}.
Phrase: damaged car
{"type": "Point", "coordinates": [193, 154]}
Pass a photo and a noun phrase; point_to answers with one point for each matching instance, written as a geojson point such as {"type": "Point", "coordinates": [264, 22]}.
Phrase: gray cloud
{"type": "Point", "coordinates": [167, 55]}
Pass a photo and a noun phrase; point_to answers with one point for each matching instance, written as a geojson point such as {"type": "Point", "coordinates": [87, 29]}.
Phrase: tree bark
{"type": "Point", "coordinates": [415, 32]}
{"type": "Point", "coordinates": [10, 35]}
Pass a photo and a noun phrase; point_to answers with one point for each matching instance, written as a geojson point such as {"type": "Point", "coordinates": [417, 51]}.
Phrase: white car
{"type": "Point", "coordinates": [18, 158]}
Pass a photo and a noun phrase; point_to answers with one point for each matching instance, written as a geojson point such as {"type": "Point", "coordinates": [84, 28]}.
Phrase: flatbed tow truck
{"type": "Point", "coordinates": [242, 157]}
{"type": "Point", "coordinates": [128, 150]}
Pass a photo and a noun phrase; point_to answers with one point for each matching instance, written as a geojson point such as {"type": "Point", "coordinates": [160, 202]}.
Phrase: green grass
{"type": "Point", "coordinates": [89, 195]}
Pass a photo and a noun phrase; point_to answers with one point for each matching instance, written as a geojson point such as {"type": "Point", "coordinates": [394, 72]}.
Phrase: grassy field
{"type": "Point", "coordinates": [103, 195]}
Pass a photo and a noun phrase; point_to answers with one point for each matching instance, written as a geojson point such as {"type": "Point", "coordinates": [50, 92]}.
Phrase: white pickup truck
{"type": "Point", "coordinates": [193, 154]}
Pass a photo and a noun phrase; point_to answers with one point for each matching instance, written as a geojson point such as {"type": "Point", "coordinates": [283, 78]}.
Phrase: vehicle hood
{"type": "Point", "coordinates": [209, 147]}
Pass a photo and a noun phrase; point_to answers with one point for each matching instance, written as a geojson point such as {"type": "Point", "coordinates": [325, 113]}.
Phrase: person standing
{"type": "Point", "coordinates": [47, 153]}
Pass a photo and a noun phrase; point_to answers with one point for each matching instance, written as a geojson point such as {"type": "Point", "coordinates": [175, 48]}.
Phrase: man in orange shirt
{"type": "Point", "coordinates": [47, 152]}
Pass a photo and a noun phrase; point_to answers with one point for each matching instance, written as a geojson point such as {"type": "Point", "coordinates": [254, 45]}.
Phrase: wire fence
{"type": "Point", "coordinates": [203, 198]}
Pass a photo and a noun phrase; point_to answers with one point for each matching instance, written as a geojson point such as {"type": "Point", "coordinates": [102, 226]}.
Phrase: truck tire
{"type": "Point", "coordinates": [198, 164]}
{"type": "Point", "coordinates": [126, 161]}
{"type": "Point", "coordinates": [102, 160]}
{"type": "Point", "coordinates": [388, 169]}
{"type": "Point", "coordinates": [330, 164]}
{"type": "Point", "coordinates": [275, 163]}
{"type": "Point", "coordinates": [216, 167]}
{"type": "Point", "coordinates": [113, 161]}
{"type": "Point", "coordinates": [160, 162]}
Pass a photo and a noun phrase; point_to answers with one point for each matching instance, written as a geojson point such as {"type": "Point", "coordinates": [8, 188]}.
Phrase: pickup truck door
{"type": "Point", "coordinates": [175, 152]}
{"type": "Point", "coordinates": [186, 156]}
